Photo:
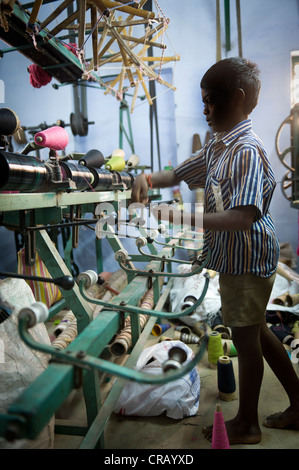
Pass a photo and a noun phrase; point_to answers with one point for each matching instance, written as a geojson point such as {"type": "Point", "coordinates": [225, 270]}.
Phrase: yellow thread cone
{"type": "Point", "coordinates": [115, 164]}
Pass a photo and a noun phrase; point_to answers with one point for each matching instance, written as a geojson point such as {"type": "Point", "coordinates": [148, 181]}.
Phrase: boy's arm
{"type": "Point", "coordinates": [143, 181]}
{"type": "Point", "coordinates": [239, 218]}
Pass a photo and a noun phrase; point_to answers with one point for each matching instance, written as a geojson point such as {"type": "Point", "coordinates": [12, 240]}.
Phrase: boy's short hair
{"type": "Point", "coordinates": [227, 75]}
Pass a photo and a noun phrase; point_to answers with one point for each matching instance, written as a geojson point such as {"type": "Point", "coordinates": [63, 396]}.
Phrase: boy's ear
{"type": "Point", "coordinates": [240, 94]}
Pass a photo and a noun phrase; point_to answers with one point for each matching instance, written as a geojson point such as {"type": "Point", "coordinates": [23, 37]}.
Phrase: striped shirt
{"type": "Point", "coordinates": [235, 171]}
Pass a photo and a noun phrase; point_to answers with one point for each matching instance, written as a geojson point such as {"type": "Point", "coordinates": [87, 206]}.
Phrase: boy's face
{"type": "Point", "coordinates": [222, 114]}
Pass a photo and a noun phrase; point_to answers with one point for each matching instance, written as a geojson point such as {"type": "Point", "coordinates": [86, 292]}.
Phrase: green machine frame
{"type": "Point", "coordinates": [78, 365]}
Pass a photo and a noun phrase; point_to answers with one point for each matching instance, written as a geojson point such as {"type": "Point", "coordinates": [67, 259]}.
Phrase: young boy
{"type": "Point", "coordinates": [239, 183]}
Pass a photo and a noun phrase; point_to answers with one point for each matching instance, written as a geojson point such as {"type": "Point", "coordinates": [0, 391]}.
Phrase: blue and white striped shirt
{"type": "Point", "coordinates": [235, 171]}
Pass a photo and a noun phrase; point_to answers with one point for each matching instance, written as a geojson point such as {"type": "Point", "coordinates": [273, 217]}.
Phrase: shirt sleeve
{"type": "Point", "coordinates": [247, 181]}
{"type": "Point", "coordinates": [194, 170]}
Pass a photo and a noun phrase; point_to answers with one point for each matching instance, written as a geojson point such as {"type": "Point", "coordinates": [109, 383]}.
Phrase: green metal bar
{"type": "Point", "coordinates": [57, 268]}
{"type": "Point", "coordinates": [138, 310]}
{"type": "Point", "coordinates": [80, 309]}
{"type": "Point", "coordinates": [99, 255]}
{"type": "Point", "coordinates": [227, 25]}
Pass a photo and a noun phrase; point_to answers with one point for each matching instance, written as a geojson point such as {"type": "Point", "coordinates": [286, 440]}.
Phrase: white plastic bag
{"type": "Point", "coordinates": [193, 285]}
{"type": "Point", "coordinates": [19, 365]}
{"type": "Point", "coordinates": [178, 398]}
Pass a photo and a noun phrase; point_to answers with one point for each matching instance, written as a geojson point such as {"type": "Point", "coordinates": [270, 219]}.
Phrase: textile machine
{"type": "Point", "coordinates": [37, 196]}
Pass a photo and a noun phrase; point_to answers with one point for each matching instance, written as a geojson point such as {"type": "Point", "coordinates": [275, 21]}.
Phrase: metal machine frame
{"type": "Point", "coordinates": [79, 364]}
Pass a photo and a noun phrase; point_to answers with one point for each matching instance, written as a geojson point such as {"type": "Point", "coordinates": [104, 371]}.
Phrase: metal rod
{"type": "Point", "coordinates": [89, 362]}
{"type": "Point", "coordinates": [137, 310]}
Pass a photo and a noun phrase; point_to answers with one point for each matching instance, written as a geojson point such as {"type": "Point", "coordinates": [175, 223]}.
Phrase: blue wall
{"type": "Point", "coordinates": [269, 34]}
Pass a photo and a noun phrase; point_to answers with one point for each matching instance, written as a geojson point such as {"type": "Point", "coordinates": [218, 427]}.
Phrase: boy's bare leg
{"type": "Point", "coordinates": [251, 343]}
{"type": "Point", "coordinates": [282, 366]}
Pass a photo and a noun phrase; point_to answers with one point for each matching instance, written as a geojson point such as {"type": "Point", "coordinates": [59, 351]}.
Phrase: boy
{"type": "Point", "coordinates": [239, 183]}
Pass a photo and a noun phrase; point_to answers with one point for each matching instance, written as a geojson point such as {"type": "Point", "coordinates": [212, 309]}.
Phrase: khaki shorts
{"type": "Point", "coordinates": [244, 298]}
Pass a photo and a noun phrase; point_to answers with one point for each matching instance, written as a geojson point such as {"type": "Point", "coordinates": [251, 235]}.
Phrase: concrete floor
{"type": "Point", "coordinates": [165, 433]}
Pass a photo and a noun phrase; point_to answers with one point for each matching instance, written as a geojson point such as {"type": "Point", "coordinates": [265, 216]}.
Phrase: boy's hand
{"type": "Point", "coordinates": [139, 192]}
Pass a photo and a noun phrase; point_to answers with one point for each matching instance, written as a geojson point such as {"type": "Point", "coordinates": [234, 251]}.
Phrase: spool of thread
{"type": "Point", "coordinates": [115, 163]}
{"type": "Point", "coordinates": [189, 300]}
{"type": "Point", "coordinates": [118, 153]}
{"type": "Point", "coordinates": [81, 175]}
{"type": "Point", "coordinates": [281, 299]}
{"type": "Point", "coordinates": [123, 341]}
{"type": "Point", "coordinates": [164, 338]}
{"type": "Point", "coordinates": [66, 336]}
{"type": "Point", "coordinates": [283, 333]}
{"type": "Point", "coordinates": [125, 179]}
{"type": "Point", "coordinates": [102, 179]}
{"type": "Point", "coordinates": [292, 300]}
{"type": "Point", "coordinates": [201, 328]}
{"type": "Point", "coordinates": [226, 379]}
{"type": "Point", "coordinates": [104, 276]}
{"type": "Point", "coordinates": [22, 172]}
{"type": "Point", "coordinates": [215, 349]}
{"type": "Point", "coordinates": [224, 331]}
{"type": "Point", "coordinates": [54, 138]}
{"type": "Point", "coordinates": [148, 300]}
{"type": "Point", "coordinates": [217, 325]}
{"type": "Point", "coordinates": [158, 329]}
{"type": "Point", "coordinates": [38, 76]}
{"type": "Point", "coordinates": [133, 161]}
{"type": "Point", "coordinates": [183, 329]}
{"type": "Point", "coordinates": [185, 338]}
{"type": "Point", "coordinates": [219, 435]}
{"type": "Point", "coordinates": [93, 158]}
{"type": "Point", "coordinates": [9, 121]}
{"type": "Point", "coordinates": [295, 330]}
{"type": "Point", "coordinates": [64, 323]}
{"type": "Point", "coordinates": [229, 348]}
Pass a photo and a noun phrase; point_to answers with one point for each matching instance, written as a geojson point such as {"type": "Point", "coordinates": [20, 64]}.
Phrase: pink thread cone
{"type": "Point", "coordinates": [55, 138]}
{"type": "Point", "coordinates": [219, 436]}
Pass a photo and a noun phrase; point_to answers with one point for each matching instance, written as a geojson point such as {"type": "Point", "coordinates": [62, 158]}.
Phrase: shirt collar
{"type": "Point", "coordinates": [239, 129]}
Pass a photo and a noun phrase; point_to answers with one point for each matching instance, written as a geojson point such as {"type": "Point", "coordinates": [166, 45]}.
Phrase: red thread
{"type": "Point", "coordinates": [38, 76]}
{"type": "Point", "coordinates": [72, 46]}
